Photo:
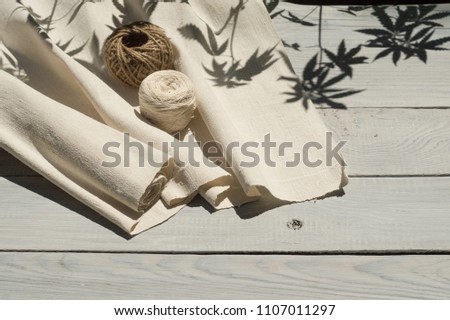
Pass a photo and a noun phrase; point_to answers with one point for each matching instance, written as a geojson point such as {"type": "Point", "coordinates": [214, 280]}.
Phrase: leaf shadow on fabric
{"type": "Point", "coordinates": [51, 192]}
{"type": "Point", "coordinates": [12, 65]}
{"type": "Point", "coordinates": [96, 66]}
{"type": "Point", "coordinates": [43, 25]}
{"type": "Point", "coordinates": [237, 73]}
{"type": "Point", "coordinates": [225, 69]}
{"type": "Point", "coordinates": [271, 6]}
{"type": "Point", "coordinates": [42, 33]}
{"type": "Point", "coordinates": [96, 52]}
{"type": "Point", "coordinates": [92, 44]}
{"type": "Point", "coordinates": [131, 11]}
{"type": "Point", "coordinates": [210, 45]}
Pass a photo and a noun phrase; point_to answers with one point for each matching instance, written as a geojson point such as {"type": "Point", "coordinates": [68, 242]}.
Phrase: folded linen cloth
{"type": "Point", "coordinates": [243, 97]}
{"type": "Point", "coordinates": [66, 148]}
{"type": "Point", "coordinates": [236, 61]}
{"type": "Point", "coordinates": [65, 142]}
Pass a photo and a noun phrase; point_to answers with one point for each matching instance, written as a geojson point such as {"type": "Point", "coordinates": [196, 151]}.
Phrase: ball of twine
{"type": "Point", "coordinates": [134, 51]}
{"type": "Point", "coordinates": [167, 100]}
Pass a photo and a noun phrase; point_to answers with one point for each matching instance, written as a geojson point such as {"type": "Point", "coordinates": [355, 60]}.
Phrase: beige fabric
{"type": "Point", "coordinates": [59, 120]}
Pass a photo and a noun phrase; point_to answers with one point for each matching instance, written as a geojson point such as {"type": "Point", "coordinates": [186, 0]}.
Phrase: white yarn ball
{"type": "Point", "coordinates": [167, 100]}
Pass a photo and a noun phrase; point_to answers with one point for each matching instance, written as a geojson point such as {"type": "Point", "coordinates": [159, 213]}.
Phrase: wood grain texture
{"type": "Point", "coordinates": [392, 141]}
{"type": "Point", "coordinates": [411, 84]}
{"type": "Point", "coordinates": [376, 214]}
{"type": "Point", "coordinates": [379, 142]}
{"type": "Point", "coordinates": [128, 276]}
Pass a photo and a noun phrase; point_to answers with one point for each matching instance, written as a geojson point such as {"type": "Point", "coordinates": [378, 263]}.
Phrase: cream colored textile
{"type": "Point", "coordinates": [59, 120]}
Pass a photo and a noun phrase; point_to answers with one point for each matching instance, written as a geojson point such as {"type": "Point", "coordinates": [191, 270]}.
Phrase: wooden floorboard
{"type": "Point", "coordinates": [376, 214]}
{"type": "Point", "coordinates": [411, 84]}
{"type": "Point", "coordinates": [393, 141]}
{"type": "Point", "coordinates": [129, 276]}
{"type": "Point", "coordinates": [379, 142]}
{"type": "Point", "coordinates": [53, 247]}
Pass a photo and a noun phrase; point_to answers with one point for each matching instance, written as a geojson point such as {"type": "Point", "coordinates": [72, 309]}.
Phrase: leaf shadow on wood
{"type": "Point", "coordinates": [271, 6]}
{"type": "Point", "coordinates": [51, 192]}
{"type": "Point", "coordinates": [409, 33]}
{"type": "Point", "coordinates": [318, 83]}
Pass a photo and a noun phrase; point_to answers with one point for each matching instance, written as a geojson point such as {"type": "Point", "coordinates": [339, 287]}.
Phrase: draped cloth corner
{"type": "Point", "coordinates": [60, 120]}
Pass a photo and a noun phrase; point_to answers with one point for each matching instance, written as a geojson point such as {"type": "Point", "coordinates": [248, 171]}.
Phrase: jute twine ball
{"type": "Point", "coordinates": [134, 51]}
{"type": "Point", "coordinates": [167, 100]}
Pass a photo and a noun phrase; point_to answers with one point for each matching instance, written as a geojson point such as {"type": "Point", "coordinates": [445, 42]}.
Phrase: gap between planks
{"type": "Point", "coordinates": [376, 215]}
{"type": "Point", "coordinates": [411, 84]}
{"type": "Point", "coordinates": [366, 253]}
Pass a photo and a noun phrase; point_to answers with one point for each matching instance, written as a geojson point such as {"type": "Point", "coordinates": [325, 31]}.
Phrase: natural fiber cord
{"type": "Point", "coordinates": [167, 100]}
{"type": "Point", "coordinates": [134, 51]}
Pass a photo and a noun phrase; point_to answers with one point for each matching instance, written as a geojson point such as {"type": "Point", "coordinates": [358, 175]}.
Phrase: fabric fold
{"type": "Point", "coordinates": [47, 137]}
{"type": "Point", "coordinates": [245, 92]}
{"type": "Point", "coordinates": [71, 121]}
{"type": "Point", "coordinates": [97, 100]}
